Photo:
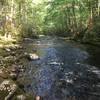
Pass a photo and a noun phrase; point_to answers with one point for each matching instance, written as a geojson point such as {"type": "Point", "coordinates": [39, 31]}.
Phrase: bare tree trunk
{"type": "Point", "coordinates": [98, 7]}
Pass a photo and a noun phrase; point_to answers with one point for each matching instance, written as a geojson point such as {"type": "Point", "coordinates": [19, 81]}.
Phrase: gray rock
{"type": "Point", "coordinates": [33, 56]}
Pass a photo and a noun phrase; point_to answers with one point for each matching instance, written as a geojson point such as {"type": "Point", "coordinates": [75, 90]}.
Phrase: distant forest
{"type": "Point", "coordinates": [78, 19]}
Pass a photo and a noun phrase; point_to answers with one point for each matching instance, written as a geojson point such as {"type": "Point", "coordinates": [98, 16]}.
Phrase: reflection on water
{"type": "Point", "coordinates": [64, 72]}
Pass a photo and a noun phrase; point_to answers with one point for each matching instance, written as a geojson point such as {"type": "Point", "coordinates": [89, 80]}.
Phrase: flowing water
{"type": "Point", "coordinates": [65, 70]}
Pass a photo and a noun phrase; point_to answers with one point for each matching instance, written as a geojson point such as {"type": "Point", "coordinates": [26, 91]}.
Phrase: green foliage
{"type": "Point", "coordinates": [56, 17]}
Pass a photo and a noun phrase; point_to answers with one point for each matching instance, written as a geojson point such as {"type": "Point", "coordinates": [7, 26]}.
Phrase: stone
{"type": "Point", "coordinates": [12, 92]}
{"type": "Point", "coordinates": [21, 97]}
{"type": "Point", "coordinates": [7, 49]}
{"type": "Point", "coordinates": [13, 76]}
{"type": "Point", "coordinates": [4, 74]}
{"type": "Point", "coordinates": [33, 56]}
{"type": "Point", "coordinates": [15, 69]}
{"type": "Point", "coordinates": [41, 35]}
{"type": "Point", "coordinates": [70, 81]}
{"type": "Point", "coordinates": [7, 85]}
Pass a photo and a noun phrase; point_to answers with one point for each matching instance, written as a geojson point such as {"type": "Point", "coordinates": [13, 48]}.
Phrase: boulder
{"type": "Point", "coordinates": [33, 56]}
{"type": "Point", "coordinates": [10, 87]}
{"type": "Point", "coordinates": [7, 85]}
{"type": "Point", "coordinates": [21, 97]}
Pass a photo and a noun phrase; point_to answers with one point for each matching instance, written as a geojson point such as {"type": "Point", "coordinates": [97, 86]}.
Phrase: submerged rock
{"type": "Point", "coordinates": [28, 39]}
{"type": "Point", "coordinates": [32, 56]}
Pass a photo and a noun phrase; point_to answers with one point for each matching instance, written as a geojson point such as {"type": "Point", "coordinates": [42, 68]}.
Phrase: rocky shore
{"type": "Point", "coordinates": [13, 62]}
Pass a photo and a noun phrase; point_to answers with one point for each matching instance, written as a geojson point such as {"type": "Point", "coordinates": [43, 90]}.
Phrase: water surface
{"type": "Point", "coordinates": [65, 70]}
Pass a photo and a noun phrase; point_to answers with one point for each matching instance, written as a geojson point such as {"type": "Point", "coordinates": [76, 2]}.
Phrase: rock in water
{"type": "Point", "coordinates": [33, 56]}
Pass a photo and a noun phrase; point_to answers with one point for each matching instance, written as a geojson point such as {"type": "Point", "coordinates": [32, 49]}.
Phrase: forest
{"type": "Point", "coordinates": [78, 19]}
{"type": "Point", "coordinates": [46, 33]}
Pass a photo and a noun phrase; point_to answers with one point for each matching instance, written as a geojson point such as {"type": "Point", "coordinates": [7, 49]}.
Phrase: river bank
{"type": "Point", "coordinates": [13, 62]}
